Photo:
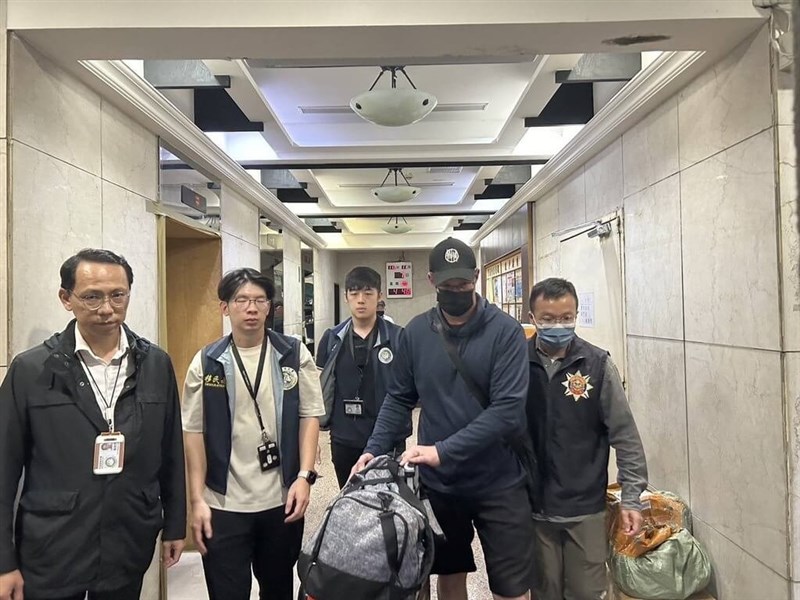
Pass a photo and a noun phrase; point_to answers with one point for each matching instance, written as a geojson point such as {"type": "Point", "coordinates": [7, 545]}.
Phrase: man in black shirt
{"type": "Point", "coordinates": [356, 358]}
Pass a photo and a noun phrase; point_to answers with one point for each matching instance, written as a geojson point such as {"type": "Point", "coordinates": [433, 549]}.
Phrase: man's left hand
{"type": "Point", "coordinates": [631, 521]}
{"type": "Point", "coordinates": [171, 552]}
{"type": "Point", "coordinates": [421, 455]}
{"type": "Point", "coordinates": [297, 500]}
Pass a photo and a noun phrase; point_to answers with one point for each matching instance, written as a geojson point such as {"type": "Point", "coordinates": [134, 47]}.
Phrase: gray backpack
{"type": "Point", "coordinates": [375, 541]}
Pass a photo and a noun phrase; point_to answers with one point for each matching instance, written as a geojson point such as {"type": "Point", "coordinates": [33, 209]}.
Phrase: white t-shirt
{"type": "Point", "coordinates": [249, 488]}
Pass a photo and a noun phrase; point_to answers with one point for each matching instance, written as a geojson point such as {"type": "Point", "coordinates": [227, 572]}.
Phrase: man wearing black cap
{"type": "Point", "coordinates": [471, 475]}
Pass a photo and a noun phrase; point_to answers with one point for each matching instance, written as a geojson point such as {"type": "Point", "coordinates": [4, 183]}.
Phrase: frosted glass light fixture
{"type": "Point", "coordinates": [395, 226]}
{"type": "Point", "coordinates": [393, 107]}
{"type": "Point", "coordinates": [395, 193]}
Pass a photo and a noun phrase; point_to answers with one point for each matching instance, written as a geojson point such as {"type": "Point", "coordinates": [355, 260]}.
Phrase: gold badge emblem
{"type": "Point", "coordinates": [577, 385]}
{"type": "Point", "coordinates": [289, 378]}
{"type": "Point", "coordinates": [385, 356]}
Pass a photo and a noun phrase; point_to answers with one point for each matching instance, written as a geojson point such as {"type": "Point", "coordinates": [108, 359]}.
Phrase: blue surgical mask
{"type": "Point", "coordinates": [556, 336]}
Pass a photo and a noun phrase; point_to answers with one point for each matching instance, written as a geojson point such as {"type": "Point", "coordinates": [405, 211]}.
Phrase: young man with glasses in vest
{"type": "Point", "coordinates": [577, 411]}
{"type": "Point", "coordinates": [251, 406]}
{"type": "Point", "coordinates": [356, 358]}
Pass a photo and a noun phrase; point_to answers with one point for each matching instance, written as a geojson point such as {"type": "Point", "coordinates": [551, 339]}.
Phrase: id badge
{"type": "Point", "coordinates": [109, 453]}
{"type": "Point", "coordinates": [268, 456]}
{"type": "Point", "coordinates": [354, 407]}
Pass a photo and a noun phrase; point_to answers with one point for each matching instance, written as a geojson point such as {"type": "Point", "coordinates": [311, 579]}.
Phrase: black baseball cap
{"type": "Point", "coordinates": [451, 259]}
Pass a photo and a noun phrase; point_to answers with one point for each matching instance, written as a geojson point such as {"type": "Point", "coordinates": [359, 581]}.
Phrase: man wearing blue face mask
{"type": "Point", "coordinates": [577, 411]}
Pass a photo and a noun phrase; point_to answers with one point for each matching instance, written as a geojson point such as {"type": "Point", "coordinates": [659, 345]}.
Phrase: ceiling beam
{"type": "Point", "coordinates": [593, 68]}
{"type": "Point", "coordinates": [182, 75]}
{"type": "Point", "coordinates": [497, 191]}
{"type": "Point", "coordinates": [571, 105]}
{"type": "Point", "coordinates": [468, 227]}
{"type": "Point", "coordinates": [215, 110]}
{"type": "Point", "coordinates": [294, 195]}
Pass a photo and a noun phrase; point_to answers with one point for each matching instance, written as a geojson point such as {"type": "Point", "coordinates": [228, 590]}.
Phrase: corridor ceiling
{"type": "Point", "coordinates": [282, 75]}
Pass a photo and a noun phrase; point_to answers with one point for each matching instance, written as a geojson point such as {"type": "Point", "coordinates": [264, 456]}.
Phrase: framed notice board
{"type": "Point", "coordinates": [398, 280]}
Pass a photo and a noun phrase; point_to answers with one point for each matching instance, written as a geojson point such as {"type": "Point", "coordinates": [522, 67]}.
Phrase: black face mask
{"type": "Point", "coordinates": [454, 303]}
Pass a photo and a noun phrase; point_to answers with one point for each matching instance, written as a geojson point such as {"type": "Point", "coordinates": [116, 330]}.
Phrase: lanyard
{"type": "Point", "coordinates": [351, 347]}
{"type": "Point", "coordinates": [106, 403]}
{"type": "Point", "coordinates": [253, 390]}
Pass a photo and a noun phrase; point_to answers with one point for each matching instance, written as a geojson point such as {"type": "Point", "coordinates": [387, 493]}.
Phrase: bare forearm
{"type": "Point", "coordinates": [309, 438]}
{"type": "Point", "coordinates": [196, 464]}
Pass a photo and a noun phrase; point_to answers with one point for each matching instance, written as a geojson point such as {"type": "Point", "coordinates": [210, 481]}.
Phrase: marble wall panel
{"type": "Point", "coordinates": [736, 447]}
{"type": "Point", "coordinates": [728, 217]}
{"type": "Point", "coordinates": [728, 103]}
{"type": "Point", "coordinates": [52, 111]}
{"type": "Point", "coordinates": [650, 148]}
{"type": "Point", "coordinates": [71, 200]}
{"type": "Point", "coordinates": [653, 264]}
{"type": "Point", "coordinates": [130, 153]}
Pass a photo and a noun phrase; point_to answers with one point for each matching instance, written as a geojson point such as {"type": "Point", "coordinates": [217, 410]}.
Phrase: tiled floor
{"type": "Point", "coordinates": [185, 580]}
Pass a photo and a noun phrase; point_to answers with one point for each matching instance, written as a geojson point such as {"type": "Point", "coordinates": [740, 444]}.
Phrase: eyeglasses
{"type": "Point", "coordinates": [548, 320]}
{"type": "Point", "coordinates": [94, 301]}
{"type": "Point", "coordinates": [243, 303]}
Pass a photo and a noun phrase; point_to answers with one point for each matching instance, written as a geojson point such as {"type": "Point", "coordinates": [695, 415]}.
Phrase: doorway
{"type": "Point", "coordinates": [192, 261]}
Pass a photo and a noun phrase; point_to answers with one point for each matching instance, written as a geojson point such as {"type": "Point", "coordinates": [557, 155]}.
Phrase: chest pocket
{"type": "Point", "coordinates": [43, 398]}
{"type": "Point", "coordinates": [151, 410]}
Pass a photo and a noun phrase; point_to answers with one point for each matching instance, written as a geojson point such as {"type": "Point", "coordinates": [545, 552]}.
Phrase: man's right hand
{"type": "Point", "coordinates": [11, 584]}
{"type": "Point", "coordinates": [201, 526]}
{"type": "Point", "coordinates": [361, 463]}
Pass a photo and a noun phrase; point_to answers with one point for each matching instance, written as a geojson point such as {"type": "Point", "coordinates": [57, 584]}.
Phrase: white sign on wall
{"type": "Point", "coordinates": [398, 280]}
{"type": "Point", "coordinates": [586, 309]}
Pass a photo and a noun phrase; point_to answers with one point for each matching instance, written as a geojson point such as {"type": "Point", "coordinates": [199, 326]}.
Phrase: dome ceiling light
{"type": "Point", "coordinates": [393, 107]}
{"type": "Point", "coordinates": [395, 193]}
{"type": "Point", "coordinates": [395, 226]}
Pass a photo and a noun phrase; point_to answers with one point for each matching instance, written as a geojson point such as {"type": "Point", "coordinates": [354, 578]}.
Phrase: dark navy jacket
{"type": "Point", "coordinates": [328, 353]}
{"type": "Point", "coordinates": [475, 459]}
{"type": "Point", "coordinates": [219, 398]}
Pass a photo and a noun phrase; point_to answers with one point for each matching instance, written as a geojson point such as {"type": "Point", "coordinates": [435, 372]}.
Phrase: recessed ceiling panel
{"type": "Point", "coordinates": [475, 101]}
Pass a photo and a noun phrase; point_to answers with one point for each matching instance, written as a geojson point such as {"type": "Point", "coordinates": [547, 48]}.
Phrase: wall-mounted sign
{"type": "Point", "coordinates": [194, 200]}
{"type": "Point", "coordinates": [586, 309]}
{"type": "Point", "coordinates": [398, 280]}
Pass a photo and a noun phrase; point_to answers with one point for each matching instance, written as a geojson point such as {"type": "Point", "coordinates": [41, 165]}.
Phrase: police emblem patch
{"type": "Point", "coordinates": [289, 378]}
{"type": "Point", "coordinates": [385, 356]}
{"type": "Point", "coordinates": [577, 385]}
{"type": "Point", "coordinates": [451, 255]}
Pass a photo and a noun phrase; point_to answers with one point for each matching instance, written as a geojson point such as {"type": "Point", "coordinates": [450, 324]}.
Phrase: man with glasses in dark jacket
{"type": "Point", "coordinates": [577, 411]}
{"type": "Point", "coordinates": [92, 416]}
